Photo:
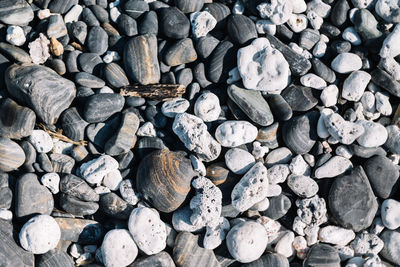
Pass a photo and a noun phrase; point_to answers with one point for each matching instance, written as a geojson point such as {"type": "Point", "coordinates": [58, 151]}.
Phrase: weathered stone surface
{"type": "Point", "coordinates": [15, 12]}
{"type": "Point", "coordinates": [12, 156]}
{"type": "Point", "coordinates": [100, 107]}
{"type": "Point", "coordinates": [15, 121]}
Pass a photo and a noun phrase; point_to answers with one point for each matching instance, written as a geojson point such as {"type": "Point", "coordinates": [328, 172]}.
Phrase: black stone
{"type": "Point", "coordinates": [62, 163]}
{"type": "Point", "coordinates": [61, 6]}
{"type": "Point", "coordinates": [199, 74]}
{"type": "Point", "coordinates": [278, 207]}
{"type": "Point", "coordinates": [323, 70]}
{"type": "Point", "coordinates": [72, 124]}
{"type": "Point", "coordinates": [160, 259]}
{"type": "Point", "coordinates": [115, 207]}
{"type": "Point", "coordinates": [386, 81]}
{"type": "Point", "coordinates": [44, 161]}
{"type": "Point", "coordinates": [339, 12]}
{"type": "Point", "coordinates": [269, 259]}
{"type": "Point", "coordinates": [77, 187]}
{"type": "Point", "coordinates": [146, 145]}
{"type": "Point", "coordinates": [30, 156]}
{"type": "Point", "coordinates": [241, 29]}
{"type": "Point", "coordinates": [148, 23]}
{"type": "Point", "coordinates": [97, 40]}
{"type": "Point", "coordinates": [55, 258]}
{"type": "Point", "coordinates": [127, 25]}
{"type": "Point", "coordinates": [205, 45]}
{"type": "Point", "coordinates": [299, 98]}
{"type": "Point", "coordinates": [100, 13]}
{"type": "Point", "coordinates": [88, 80]}
{"type": "Point", "coordinates": [71, 61]}
{"type": "Point", "coordinates": [189, 6]}
{"type": "Point", "coordinates": [135, 8]}
{"type": "Point", "coordinates": [221, 61]}
{"type": "Point", "coordinates": [115, 75]}
{"type": "Point", "coordinates": [100, 107]}
{"type": "Point", "coordinates": [322, 255]}
{"type": "Point", "coordinates": [14, 54]}
{"type": "Point", "coordinates": [99, 133]}
{"type": "Point", "coordinates": [173, 23]}
{"type": "Point", "coordinates": [279, 107]}
{"type": "Point", "coordinates": [220, 12]}
{"type": "Point", "coordinates": [155, 116]}
{"type": "Point", "coordinates": [78, 31]}
{"type": "Point", "coordinates": [90, 62]}
{"type": "Point", "coordinates": [89, 18]}
{"type": "Point", "coordinates": [77, 207]}
{"type": "Point", "coordinates": [330, 30]}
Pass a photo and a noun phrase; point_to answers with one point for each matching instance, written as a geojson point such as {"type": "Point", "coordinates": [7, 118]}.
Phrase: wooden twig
{"type": "Point", "coordinates": [60, 136]}
{"type": "Point", "coordinates": [160, 92]}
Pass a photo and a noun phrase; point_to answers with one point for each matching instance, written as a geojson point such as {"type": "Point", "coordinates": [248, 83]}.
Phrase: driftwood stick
{"type": "Point", "coordinates": [160, 92]}
{"type": "Point", "coordinates": [60, 136]}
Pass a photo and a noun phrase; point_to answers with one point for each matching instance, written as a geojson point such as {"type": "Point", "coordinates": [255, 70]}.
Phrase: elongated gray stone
{"type": "Point", "coordinates": [77, 187]}
{"type": "Point", "coordinates": [100, 107]}
{"type": "Point", "coordinates": [15, 12]}
{"type": "Point", "coordinates": [41, 89]}
{"type": "Point", "coordinates": [15, 121]}
{"type": "Point", "coordinates": [12, 156]}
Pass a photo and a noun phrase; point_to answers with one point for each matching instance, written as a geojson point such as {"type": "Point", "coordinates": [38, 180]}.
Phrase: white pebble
{"type": "Point", "coordinates": [174, 106]}
{"type": "Point", "coordinates": [336, 235]}
{"type": "Point", "coordinates": [319, 7]}
{"type": "Point", "coordinates": [344, 151]}
{"type": "Point", "coordinates": [259, 151]}
{"type": "Point", "coordinates": [350, 34]}
{"type": "Point", "coordinates": [319, 49]}
{"type": "Point", "coordinates": [388, 10]}
{"type": "Point", "coordinates": [313, 81]}
{"type": "Point", "coordinates": [94, 171]}
{"type": "Point", "coordinates": [198, 165]}
{"type": "Point", "coordinates": [368, 102]}
{"type": "Point", "coordinates": [315, 20]}
{"type": "Point", "coordinates": [40, 234]}
{"type": "Point", "coordinates": [247, 241]}
{"type": "Point", "coordinates": [344, 131]}
{"type": "Point", "coordinates": [102, 190]}
{"type": "Point", "coordinates": [181, 220]}
{"type": "Point", "coordinates": [239, 161]}
{"type": "Point", "coordinates": [214, 236]}
{"type": "Point", "coordinates": [375, 134]}
{"type": "Point", "coordinates": [43, 13]}
{"type": "Point", "coordinates": [297, 22]}
{"type": "Point", "coordinates": [118, 248]}
{"type": "Point", "coordinates": [114, 14]}
{"type": "Point", "coordinates": [284, 245]}
{"type": "Point", "coordinates": [303, 186]}
{"type": "Point", "coordinates": [6, 214]}
{"type": "Point", "coordinates": [322, 130]}
{"type": "Point", "coordinates": [296, 48]}
{"type": "Point", "coordinates": [15, 35]}
{"type": "Point", "coordinates": [202, 23]}
{"type": "Point", "coordinates": [277, 11]}
{"type": "Point", "coordinates": [330, 95]}
{"type": "Point", "coordinates": [238, 7]}
{"type": "Point", "coordinates": [355, 84]}
{"type": "Point", "coordinates": [105, 90]}
{"type": "Point", "coordinates": [333, 167]}
{"type": "Point", "coordinates": [264, 26]}
{"type": "Point", "coordinates": [300, 245]}
{"type": "Point", "coordinates": [147, 129]}
{"type": "Point", "coordinates": [278, 173]}
{"type": "Point", "coordinates": [390, 213]}
{"type": "Point", "coordinates": [382, 103]}
{"type": "Point", "coordinates": [298, 165]}
{"type": "Point", "coordinates": [251, 189]}
{"type": "Point", "coordinates": [112, 180]}
{"type": "Point", "coordinates": [346, 62]}
{"type": "Point", "coordinates": [73, 14]}
{"type": "Point", "coordinates": [41, 141]}
{"type": "Point", "coordinates": [298, 6]}
{"type": "Point", "coordinates": [235, 133]}
{"type": "Point", "coordinates": [207, 107]}
{"type": "Point", "coordinates": [147, 230]}
{"type": "Point", "coordinates": [75, 250]}
{"type": "Point", "coordinates": [128, 193]}
{"type": "Point", "coordinates": [51, 181]}
{"type": "Point", "coordinates": [262, 205]}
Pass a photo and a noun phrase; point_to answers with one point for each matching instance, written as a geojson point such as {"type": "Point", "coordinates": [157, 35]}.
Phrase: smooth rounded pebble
{"type": "Point", "coordinates": [390, 213]}
{"type": "Point", "coordinates": [346, 62]}
{"type": "Point", "coordinates": [355, 84]}
{"type": "Point", "coordinates": [375, 134]}
{"type": "Point", "coordinates": [118, 248]}
{"type": "Point", "coordinates": [207, 107]}
{"type": "Point", "coordinates": [336, 235]}
{"type": "Point", "coordinates": [302, 186]}
{"type": "Point", "coordinates": [94, 171]}
{"type": "Point", "coordinates": [41, 141]}
{"type": "Point", "coordinates": [148, 231]}
{"type": "Point", "coordinates": [333, 167]}
{"type": "Point", "coordinates": [247, 241]}
{"type": "Point", "coordinates": [40, 234]}
{"type": "Point", "coordinates": [239, 161]}
{"type": "Point", "coordinates": [175, 106]}
{"type": "Point", "coordinates": [235, 133]}
{"type": "Point", "coordinates": [51, 181]}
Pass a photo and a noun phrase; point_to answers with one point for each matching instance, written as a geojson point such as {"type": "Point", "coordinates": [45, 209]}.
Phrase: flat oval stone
{"type": "Point", "coordinates": [61, 6]}
{"type": "Point", "coordinates": [351, 198]}
{"type": "Point", "coordinates": [97, 40]}
{"type": "Point", "coordinates": [302, 186]}
{"type": "Point", "coordinates": [32, 197]}
{"type": "Point", "coordinates": [205, 45]}
{"type": "Point", "coordinates": [241, 29]}
{"type": "Point", "coordinates": [136, 8]}
{"type": "Point", "coordinates": [100, 107]}
{"type": "Point", "coordinates": [162, 171]}
{"type": "Point", "coordinates": [280, 108]}
{"type": "Point", "coordinates": [235, 133]}
{"type": "Point", "coordinates": [299, 98]}
{"type": "Point", "coordinates": [16, 12]}
{"type": "Point", "coordinates": [41, 89]}
{"type": "Point", "coordinates": [114, 206]}
{"type": "Point", "coordinates": [80, 230]}
{"type": "Point", "coordinates": [15, 121]}
{"type": "Point", "coordinates": [77, 207]}
{"type": "Point", "coordinates": [56, 27]}
{"type": "Point", "coordinates": [88, 80]}
{"type": "Point", "coordinates": [140, 59]}
{"type": "Point", "coordinates": [278, 207]}
{"type": "Point", "coordinates": [12, 156]}
{"type": "Point", "coordinates": [15, 53]}
{"type": "Point", "coordinates": [77, 187]}
{"type": "Point", "coordinates": [189, 6]}
{"type": "Point", "coordinates": [115, 75]}
{"type": "Point", "coordinates": [173, 23]}
{"type": "Point", "coordinates": [322, 254]}
{"type": "Point", "coordinates": [181, 52]}
{"type": "Point", "coordinates": [221, 61]}
{"type": "Point", "coordinates": [252, 103]}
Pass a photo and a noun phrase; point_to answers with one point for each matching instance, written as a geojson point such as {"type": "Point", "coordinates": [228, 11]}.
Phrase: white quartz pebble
{"type": "Point", "coordinates": [118, 248]}
{"type": "Point", "coordinates": [303, 186]}
{"type": "Point", "coordinates": [330, 95]}
{"type": "Point", "coordinates": [298, 165]}
{"type": "Point", "coordinates": [174, 106]}
{"type": "Point", "coordinates": [112, 180]}
{"type": "Point", "coordinates": [94, 171]}
{"type": "Point", "coordinates": [322, 130]}
{"type": "Point", "coordinates": [355, 84]}
{"type": "Point", "coordinates": [346, 62]}
{"type": "Point", "coordinates": [51, 181]}
{"type": "Point", "coordinates": [207, 107]}
{"type": "Point", "coordinates": [202, 23]}
{"type": "Point", "coordinates": [284, 245]}
{"type": "Point", "coordinates": [333, 167]}
{"type": "Point", "coordinates": [41, 141]}
{"type": "Point", "coordinates": [239, 161]}
{"type": "Point", "coordinates": [147, 129]}
{"type": "Point", "coordinates": [382, 103]}
{"type": "Point", "coordinates": [390, 213]}
{"type": "Point", "coordinates": [336, 235]}
{"type": "Point", "coordinates": [147, 230]}
{"type": "Point", "coordinates": [181, 220]}
{"type": "Point", "coordinates": [15, 35]}
{"type": "Point", "coordinates": [40, 234]}
{"type": "Point", "coordinates": [315, 20]}
{"type": "Point", "coordinates": [313, 81]}
{"type": "Point", "coordinates": [368, 102]}
{"type": "Point", "coordinates": [264, 26]}
{"type": "Point", "coordinates": [235, 133]}
{"type": "Point", "coordinates": [375, 134]}
{"type": "Point", "coordinates": [391, 66]}
{"type": "Point", "coordinates": [344, 131]}
{"type": "Point", "coordinates": [73, 14]}
{"type": "Point", "coordinates": [319, 49]}
{"type": "Point", "coordinates": [350, 34]}
{"type": "Point", "coordinates": [319, 7]}
{"type": "Point", "coordinates": [215, 235]}
{"type": "Point", "coordinates": [277, 11]}
{"type": "Point", "coordinates": [388, 10]}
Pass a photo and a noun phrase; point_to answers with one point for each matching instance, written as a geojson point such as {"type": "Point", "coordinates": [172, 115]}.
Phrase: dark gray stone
{"type": "Point", "coordinates": [15, 12]}
{"type": "Point", "coordinates": [269, 259]}
{"type": "Point", "coordinates": [114, 206]}
{"type": "Point", "coordinates": [241, 29]}
{"type": "Point", "coordinates": [189, 6]}
{"type": "Point", "coordinates": [78, 30]}
{"type": "Point", "coordinates": [100, 107]}
{"type": "Point", "coordinates": [72, 124]}
{"type": "Point", "coordinates": [322, 70]}
{"type": "Point", "coordinates": [136, 8]}
{"type": "Point", "coordinates": [55, 258]}
{"type": "Point", "coordinates": [14, 53]}
{"type": "Point", "coordinates": [279, 107]}
{"type": "Point", "coordinates": [339, 12]}
{"type": "Point", "coordinates": [89, 18]}
{"type": "Point", "coordinates": [278, 207]}
{"type": "Point", "coordinates": [97, 40]}
{"type": "Point", "coordinates": [62, 163]}
{"type": "Point", "coordinates": [299, 98]}
{"type": "Point", "coordinates": [173, 23]}
{"type": "Point", "coordinates": [322, 255]}
{"type": "Point", "coordinates": [61, 6]}
{"type": "Point", "coordinates": [16, 121]}
{"type": "Point", "coordinates": [80, 230]}
{"type": "Point", "coordinates": [159, 259]}
{"type": "Point", "coordinates": [127, 25]}
{"type": "Point", "coordinates": [77, 187]}
{"type": "Point", "coordinates": [205, 45]}
{"type": "Point", "coordinates": [221, 61]}
{"type": "Point", "coordinates": [77, 207]}
{"type": "Point", "coordinates": [386, 81]}
{"type": "Point", "coordinates": [88, 80]}
{"type": "Point", "coordinates": [149, 23]}
{"type": "Point", "coordinates": [90, 62]}
{"type": "Point", "coordinates": [180, 52]}
{"type": "Point", "coordinates": [115, 75]}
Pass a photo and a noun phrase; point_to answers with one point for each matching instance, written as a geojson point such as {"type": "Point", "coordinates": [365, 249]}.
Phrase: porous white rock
{"type": "Point", "coordinates": [118, 248]}
{"type": "Point", "coordinates": [174, 106]}
{"type": "Point", "coordinates": [51, 181]}
{"type": "Point", "coordinates": [297, 22]}
{"type": "Point", "coordinates": [322, 131]}
{"type": "Point", "coordinates": [247, 241]}
{"type": "Point", "coordinates": [239, 161]}
{"type": "Point", "coordinates": [39, 49]}
{"type": "Point", "coordinates": [315, 20]}
{"type": "Point", "coordinates": [198, 165]}
{"type": "Point", "coordinates": [298, 165]}
{"type": "Point", "coordinates": [312, 210]}
{"type": "Point", "coordinates": [265, 26]}
{"type": "Point", "coordinates": [112, 180]}
{"type": "Point", "coordinates": [344, 131]}
{"type": "Point", "coordinates": [319, 49]}
{"type": "Point", "coordinates": [259, 151]}
{"type": "Point", "coordinates": [388, 10]}
{"type": "Point", "coordinates": [263, 67]}
{"type": "Point", "coordinates": [355, 84]}
{"type": "Point", "coordinates": [302, 186]}
{"type": "Point", "coordinates": [181, 220]}
{"type": "Point", "coordinates": [73, 14]}
{"type": "Point", "coordinates": [350, 34]}
{"type": "Point", "coordinates": [333, 167]}
{"type": "Point", "coordinates": [313, 81]}
{"type": "Point", "coordinates": [363, 3]}
{"type": "Point", "coordinates": [382, 103]}
{"type": "Point", "coordinates": [15, 35]}
{"type": "Point", "coordinates": [251, 189]}
{"type": "Point", "coordinates": [41, 141]}
{"type": "Point", "coordinates": [391, 66]}
{"type": "Point", "coordinates": [366, 243]}
{"type": "Point", "coordinates": [40, 234]}
{"type": "Point", "coordinates": [206, 204]}
{"type": "Point", "coordinates": [202, 23]}
{"type": "Point", "coordinates": [329, 95]}
{"type": "Point", "coordinates": [215, 235]}
{"type": "Point", "coordinates": [278, 173]}
{"type": "Point", "coordinates": [336, 235]}
{"type": "Point", "coordinates": [390, 47]}
{"type": "Point", "coordinates": [319, 7]}
{"type": "Point", "coordinates": [235, 133]}
{"type": "Point", "coordinates": [300, 245]}
{"type": "Point", "coordinates": [390, 213]}
{"type": "Point", "coordinates": [94, 171]}
{"type": "Point", "coordinates": [375, 134]}
{"type": "Point", "coordinates": [147, 129]}
{"type": "Point", "coordinates": [346, 62]}
{"type": "Point", "coordinates": [278, 11]}
{"type": "Point", "coordinates": [192, 131]}
{"type": "Point", "coordinates": [284, 245]}
{"type": "Point", "coordinates": [128, 193]}
{"type": "Point", "coordinates": [207, 107]}
{"type": "Point", "coordinates": [147, 230]}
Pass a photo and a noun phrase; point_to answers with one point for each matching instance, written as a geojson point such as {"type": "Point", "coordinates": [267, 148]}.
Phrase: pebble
{"type": "Point", "coordinates": [173, 23]}
{"type": "Point", "coordinates": [344, 131]}
{"type": "Point", "coordinates": [284, 245]}
{"type": "Point", "coordinates": [391, 251]}
{"type": "Point", "coordinates": [346, 63]}
{"type": "Point", "coordinates": [391, 66]}
{"type": "Point", "coordinates": [390, 213]}
{"type": "Point", "coordinates": [41, 141]}
{"type": "Point", "coordinates": [192, 131]}
{"type": "Point", "coordinates": [241, 29]}
{"type": "Point", "coordinates": [219, 64]}
{"type": "Point", "coordinates": [140, 59]}
{"type": "Point", "coordinates": [265, 27]}
{"type": "Point", "coordinates": [114, 206]}
{"type": "Point", "coordinates": [336, 235]}
{"type": "Point", "coordinates": [187, 6]}
{"type": "Point", "coordinates": [375, 134]}
{"type": "Point", "coordinates": [40, 234]}
{"type": "Point", "coordinates": [16, 121]}
{"type": "Point", "coordinates": [100, 107]}
{"type": "Point", "coordinates": [278, 207]}
{"type": "Point", "coordinates": [329, 95]}
{"type": "Point", "coordinates": [181, 221]}
{"type": "Point", "coordinates": [147, 230]}
{"type": "Point", "coordinates": [299, 98]}
{"type": "Point", "coordinates": [118, 248]}
{"type": "Point", "coordinates": [15, 35]}
{"type": "Point", "coordinates": [53, 258]}
{"type": "Point", "coordinates": [235, 133]}
{"type": "Point", "coordinates": [298, 165]}
{"type": "Point", "coordinates": [94, 171]}
{"type": "Point", "coordinates": [297, 22]}
{"type": "Point", "coordinates": [270, 259]}
{"type": "Point", "coordinates": [149, 23]}
{"type": "Point", "coordinates": [247, 241]}
{"type": "Point", "coordinates": [386, 81]}
{"type": "Point", "coordinates": [128, 193]}
{"type": "Point", "coordinates": [160, 259]}
{"type": "Point", "coordinates": [278, 12]}
{"type": "Point", "coordinates": [239, 161]}
{"type": "Point", "coordinates": [251, 189]}
{"type": "Point", "coordinates": [214, 236]}
{"type": "Point", "coordinates": [48, 94]}
{"type": "Point", "coordinates": [77, 187]}
{"type": "Point", "coordinates": [17, 12]}
{"type": "Point", "coordinates": [350, 197]}
{"type": "Point", "coordinates": [313, 81]}
{"type": "Point", "coordinates": [174, 106]}
{"type": "Point", "coordinates": [366, 243]}
{"type": "Point", "coordinates": [355, 84]}
{"type": "Point", "coordinates": [202, 23]}
{"type": "Point", "coordinates": [333, 167]}
{"type": "Point", "coordinates": [159, 172]}
{"type": "Point", "coordinates": [322, 254]}
{"type": "Point", "coordinates": [180, 52]}
{"type": "Point", "coordinates": [386, 10]}
{"type": "Point", "coordinates": [51, 181]}
{"type": "Point", "coordinates": [302, 186]}
{"type": "Point", "coordinates": [147, 129]}
{"type": "Point", "coordinates": [207, 107]}
{"type": "Point", "coordinates": [274, 76]}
